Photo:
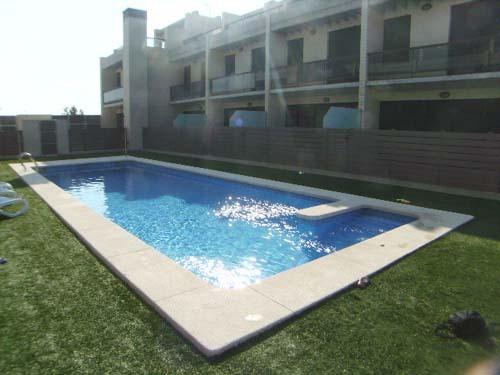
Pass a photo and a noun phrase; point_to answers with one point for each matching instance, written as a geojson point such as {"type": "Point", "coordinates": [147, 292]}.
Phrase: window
{"type": "Point", "coordinates": [203, 73]}
{"type": "Point", "coordinates": [474, 19]}
{"type": "Point", "coordinates": [187, 75]}
{"type": "Point", "coordinates": [295, 51]}
{"type": "Point", "coordinates": [119, 78]}
{"type": "Point", "coordinates": [397, 39]}
{"type": "Point", "coordinates": [344, 42]}
{"type": "Point", "coordinates": [258, 59]}
{"type": "Point", "coordinates": [230, 64]}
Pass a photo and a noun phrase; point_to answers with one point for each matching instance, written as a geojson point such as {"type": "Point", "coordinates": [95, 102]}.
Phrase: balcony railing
{"type": "Point", "coordinates": [304, 11]}
{"type": "Point", "coordinates": [317, 73]}
{"type": "Point", "coordinates": [251, 81]}
{"type": "Point", "coordinates": [190, 91]}
{"type": "Point", "coordinates": [155, 42]}
{"type": "Point", "coordinates": [114, 95]}
{"type": "Point", "coordinates": [243, 28]}
{"type": "Point", "coordinates": [113, 59]}
{"type": "Point", "coordinates": [460, 57]}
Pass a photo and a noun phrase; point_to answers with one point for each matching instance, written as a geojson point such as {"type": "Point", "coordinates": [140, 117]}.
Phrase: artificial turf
{"type": "Point", "coordinates": [64, 312]}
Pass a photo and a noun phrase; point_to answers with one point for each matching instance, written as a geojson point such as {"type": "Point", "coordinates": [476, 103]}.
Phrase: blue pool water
{"type": "Point", "coordinates": [228, 233]}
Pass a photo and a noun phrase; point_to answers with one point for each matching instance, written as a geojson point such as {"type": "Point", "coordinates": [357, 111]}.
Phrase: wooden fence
{"type": "Point", "coordinates": [95, 138]}
{"type": "Point", "coordinates": [463, 160]}
{"type": "Point", "coordinates": [10, 141]}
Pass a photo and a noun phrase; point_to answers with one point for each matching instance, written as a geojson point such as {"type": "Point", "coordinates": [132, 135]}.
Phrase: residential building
{"type": "Point", "coordinates": [408, 65]}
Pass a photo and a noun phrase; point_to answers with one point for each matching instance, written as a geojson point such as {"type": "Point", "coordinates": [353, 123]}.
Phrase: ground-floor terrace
{"type": "Point", "coordinates": [456, 105]}
{"type": "Point", "coordinates": [62, 306]}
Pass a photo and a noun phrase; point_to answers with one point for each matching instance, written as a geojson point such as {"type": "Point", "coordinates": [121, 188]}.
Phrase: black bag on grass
{"type": "Point", "coordinates": [467, 325]}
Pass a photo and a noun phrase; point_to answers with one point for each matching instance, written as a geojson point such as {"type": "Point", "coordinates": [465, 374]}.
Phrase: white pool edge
{"type": "Point", "coordinates": [216, 319]}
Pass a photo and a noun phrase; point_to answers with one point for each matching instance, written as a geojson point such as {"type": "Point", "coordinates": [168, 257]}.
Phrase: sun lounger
{"type": "Point", "coordinates": [9, 201]}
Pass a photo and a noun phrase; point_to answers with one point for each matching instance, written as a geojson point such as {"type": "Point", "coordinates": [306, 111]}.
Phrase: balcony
{"type": "Point", "coordinates": [190, 91]}
{"type": "Point", "coordinates": [461, 57]}
{"type": "Point", "coordinates": [113, 59]}
{"type": "Point", "coordinates": [243, 28]}
{"type": "Point", "coordinates": [113, 96]}
{"type": "Point", "coordinates": [152, 42]}
{"type": "Point", "coordinates": [304, 11]}
{"type": "Point", "coordinates": [188, 47]}
{"type": "Point", "coordinates": [317, 73]}
{"type": "Point", "coordinates": [251, 81]}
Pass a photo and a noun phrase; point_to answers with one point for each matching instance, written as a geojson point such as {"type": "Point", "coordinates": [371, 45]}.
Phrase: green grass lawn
{"type": "Point", "coordinates": [62, 311]}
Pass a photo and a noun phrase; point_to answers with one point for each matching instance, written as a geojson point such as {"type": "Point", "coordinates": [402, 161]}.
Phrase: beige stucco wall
{"type": "Point", "coordinates": [158, 88]}
{"type": "Point", "coordinates": [216, 64]}
{"type": "Point", "coordinates": [427, 27]}
{"type": "Point", "coordinates": [197, 69]}
{"type": "Point", "coordinates": [243, 57]}
{"type": "Point", "coordinates": [316, 38]}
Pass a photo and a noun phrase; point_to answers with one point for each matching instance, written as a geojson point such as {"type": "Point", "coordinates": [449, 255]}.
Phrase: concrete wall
{"type": "Point", "coordinates": [158, 87]}
{"type": "Point", "coordinates": [135, 75]}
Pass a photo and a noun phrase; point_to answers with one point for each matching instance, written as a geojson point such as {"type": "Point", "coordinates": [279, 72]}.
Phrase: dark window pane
{"type": "Point", "coordinates": [187, 75]}
{"type": "Point", "coordinates": [258, 59]}
{"type": "Point", "coordinates": [397, 39]}
{"type": "Point", "coordinates": [230, 64]}
{"type": "Point", "coordinates": [344, 42]}
{"type": "Point", "coordinates": [295, 51]}
{"type": "Point", "coordinates": [474, 19]}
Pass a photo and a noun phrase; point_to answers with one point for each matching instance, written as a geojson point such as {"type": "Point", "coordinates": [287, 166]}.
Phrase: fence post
{"type": "Point", "coordinates": [84, 139]}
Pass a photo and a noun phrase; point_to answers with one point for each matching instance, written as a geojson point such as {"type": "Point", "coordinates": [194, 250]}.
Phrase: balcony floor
{"type": "Point", "coordinates": [244, 94]}
{"type": "Point", "coordinates": [188, 100]}
{"type": "Point", "coordinates": [474, 80]}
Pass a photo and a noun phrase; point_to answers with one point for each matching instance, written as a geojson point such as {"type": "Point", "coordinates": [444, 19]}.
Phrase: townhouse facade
{"type": "Point", "coordinates": [403, 64]}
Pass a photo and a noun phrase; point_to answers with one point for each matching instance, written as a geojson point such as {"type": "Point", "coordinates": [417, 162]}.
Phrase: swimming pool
{"type": "Point", "coordinates": [224, 257]}
{"type": "Point", "coordinates": [228, 233]}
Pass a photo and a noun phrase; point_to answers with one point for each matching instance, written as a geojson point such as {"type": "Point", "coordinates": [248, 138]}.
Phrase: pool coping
{"type": "Point", "coordinates": [215, 319]}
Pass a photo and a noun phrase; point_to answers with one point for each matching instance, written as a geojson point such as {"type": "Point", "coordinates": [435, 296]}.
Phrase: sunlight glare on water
{"type": "Point", "coordinates": [230, 234]}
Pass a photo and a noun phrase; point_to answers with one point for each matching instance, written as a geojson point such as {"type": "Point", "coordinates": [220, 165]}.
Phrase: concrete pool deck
{"type": "Point", "coordinates": [216, 319]}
